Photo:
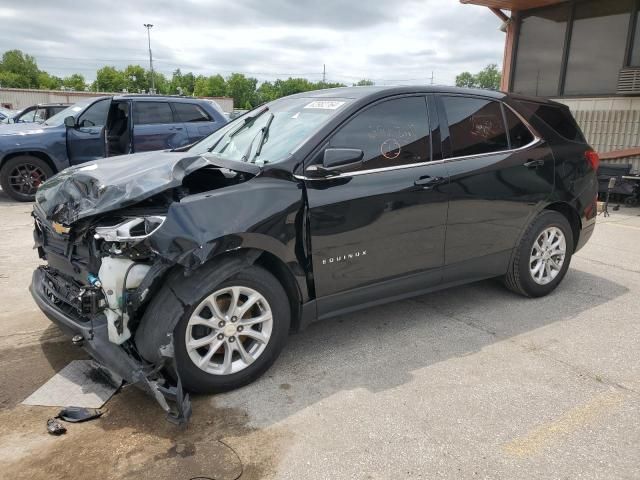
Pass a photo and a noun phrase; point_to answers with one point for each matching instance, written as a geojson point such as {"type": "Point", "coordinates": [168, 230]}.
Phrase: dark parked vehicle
{"type": "Point", "coordinates": [38, 113]}
{"type": "Point", "coordinates": [96, 128]}
{"type": "Point", "coordinates": [189, 269]}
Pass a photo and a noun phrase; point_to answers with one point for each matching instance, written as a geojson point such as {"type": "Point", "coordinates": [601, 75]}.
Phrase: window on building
{"type": "Point", "coordinates": [539, 58]}
{"type": "Point", "coordinates": [635, 49]}
{"type": "Point", "coordinates": [190, 112]}
{"type": "Point", "coordinates": [598, 45]}
{"type": "Point", "coordinates": [475, 126]}
{"type": "Point", "coordinates": [145, 113]}
{"type": "Point", "coordinates": [519, 134]}
{"type": "Point", "coordinates": [392, 133]}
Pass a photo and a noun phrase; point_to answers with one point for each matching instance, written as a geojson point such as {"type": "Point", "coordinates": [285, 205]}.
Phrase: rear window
{"type": "Point", "coordinates": [190, 112]}
{"type": "Point", "coordinates": [145, 113]}
{"type": "Point", "coordinates": [518, 131]}
{"type": "Point", "coordinates": [475, 126]}
{"type": "Point", "coordinates": [558, 118]}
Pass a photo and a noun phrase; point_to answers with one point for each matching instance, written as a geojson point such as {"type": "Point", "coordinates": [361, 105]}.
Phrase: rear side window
{"type": "Point", "coordinates": [475, 126]}
{"type": "Point", "coordinates": [148, 113]}
{"type": "Point", "coordinates": [392, 133]}
{"type": "Point", "coordinates": [558, 118]}
{"type": "Point", "coordinates": [519, 134]}
{"type": "Point", "coordinates": [190, 112]}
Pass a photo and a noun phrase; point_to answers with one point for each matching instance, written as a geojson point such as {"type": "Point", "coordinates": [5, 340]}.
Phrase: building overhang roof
{"type": "Point", "coordinates": [512, 4]}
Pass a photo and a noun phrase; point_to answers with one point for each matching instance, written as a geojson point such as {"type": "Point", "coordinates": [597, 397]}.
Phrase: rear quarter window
{"type": "Point", "coordinates": [190, 112]}
{"type": "Point", "coordinates": [558, 118]}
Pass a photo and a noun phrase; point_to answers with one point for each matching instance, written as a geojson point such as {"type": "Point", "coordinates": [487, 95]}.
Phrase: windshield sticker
{"type": "Point", "coordinates": [325, 104]}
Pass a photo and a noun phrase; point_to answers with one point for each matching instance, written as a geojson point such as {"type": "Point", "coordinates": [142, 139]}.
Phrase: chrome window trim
{"type": "Point", "coordinates": [535, 141]}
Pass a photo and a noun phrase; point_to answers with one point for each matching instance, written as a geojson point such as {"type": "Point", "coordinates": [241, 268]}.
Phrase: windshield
{"type": "Point", "coordinates": [269, 133]}
{"type": "Point", "coordinates": [72, 111]}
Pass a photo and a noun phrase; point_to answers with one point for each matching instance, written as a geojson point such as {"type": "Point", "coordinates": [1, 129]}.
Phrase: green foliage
{"type": "Point", "coordinates": [489, 77]}
{"type": "Point", "coordinates": [21, 71]}
{"type": "Point", "coordinates": [74, 82]}
{"type": "Point", "coordinates": [213, 86]}
{"type": "Point", "coordinates": [18, 70]}
{"type": "Point", "coordinates": [242, 89]}
{"type": "Point", "coordinates": [364, 83]}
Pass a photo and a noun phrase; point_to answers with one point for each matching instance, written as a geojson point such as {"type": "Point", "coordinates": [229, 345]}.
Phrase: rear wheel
{"type": "Point", "coordinates": [542, 258]}
{"type": "Point", "coordinates": [232, 332]}
{"type": "Point", "coordinates": [21, 176]}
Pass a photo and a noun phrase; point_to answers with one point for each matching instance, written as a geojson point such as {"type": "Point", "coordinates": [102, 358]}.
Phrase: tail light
{"type": "Point", "coordinates": [593, 159]}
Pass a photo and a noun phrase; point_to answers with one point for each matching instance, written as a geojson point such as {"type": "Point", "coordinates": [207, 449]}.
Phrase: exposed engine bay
{"type": "Point", "coordinates": [102, 266]}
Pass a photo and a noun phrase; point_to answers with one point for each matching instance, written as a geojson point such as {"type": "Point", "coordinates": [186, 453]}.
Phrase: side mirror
{"type": "Point", "coordinates": [70, 122]}
{"type": "Point", "coordinates": [341, 157]}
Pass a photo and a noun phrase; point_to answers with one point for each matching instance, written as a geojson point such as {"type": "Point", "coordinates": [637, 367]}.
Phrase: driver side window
{"type": "Point", "coordinates": [391, 133]}
{"type": "Point", "coordinates": [95, 115]}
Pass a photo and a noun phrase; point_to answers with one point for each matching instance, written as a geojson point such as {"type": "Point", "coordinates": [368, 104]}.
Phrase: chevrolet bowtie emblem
{"type": "Point", "coordinates": [59, 228]}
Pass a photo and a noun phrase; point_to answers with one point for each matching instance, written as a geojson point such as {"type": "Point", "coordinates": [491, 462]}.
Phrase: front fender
{"type": "Point", "coordinates": [52, 144]}
{"type": "Point", "coordinates": [263, 214]}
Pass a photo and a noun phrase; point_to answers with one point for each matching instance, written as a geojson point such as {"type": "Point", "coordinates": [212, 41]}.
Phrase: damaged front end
{"type": "Point", "coordinates": [94, 226]}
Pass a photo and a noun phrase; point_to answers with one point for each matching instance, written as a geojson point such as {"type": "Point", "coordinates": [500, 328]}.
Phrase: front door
{"type": "Point", "coordinates": [500, 175]}
{"type": "Point", "coordinates": [154, 127]}
{"type": "Point", "coordinates": [85, 142]}
{"type": "Point", "coordinates": [378, 230]}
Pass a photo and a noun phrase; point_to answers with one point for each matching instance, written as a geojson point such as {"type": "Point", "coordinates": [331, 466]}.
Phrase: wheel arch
{"type": "Point", "coordinates": [30, 153]}
{"type": "Point", "coordinates": [571, 214]}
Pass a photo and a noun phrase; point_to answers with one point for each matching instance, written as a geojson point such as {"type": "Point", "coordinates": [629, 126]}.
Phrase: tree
{"type": "Point", "coordinates": [74, 82]}
{"type": "Point", "coordinates": [213, 86]}
{"type": "Point", "coordinates": [466, 79]}
{"type": "Point", "coordinates": [489, 77]}
{"type": "Point", "coordinates": [135, 78]}
{"type": "Point", "coordinates": [109, 79]}
{"type": "Point", "coordinates": [242, 89]}
{"type": "Point", "coordinates": [49, 82]}
{"type": "Point", "coordinates": [19, 70]}
{"type": "Point", "coordinates": [364, 83]}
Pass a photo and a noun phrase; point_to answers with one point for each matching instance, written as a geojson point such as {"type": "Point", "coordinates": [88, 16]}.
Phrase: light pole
{"type": "Point", "coordinates": [153, 81]}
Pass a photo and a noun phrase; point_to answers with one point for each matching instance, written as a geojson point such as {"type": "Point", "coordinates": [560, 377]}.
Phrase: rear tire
{"type": "Point", "coordinates": [199, 323]}
{"type": "Point", "coordinates": [542, 258]}
{"type": "Point", "coordinates": [21, 176]}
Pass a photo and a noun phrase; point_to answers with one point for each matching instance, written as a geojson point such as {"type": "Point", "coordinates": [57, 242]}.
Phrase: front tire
{"type": "Point", "coordinates": [21, 176]}
{"type": "Point", "coordinates": [232, 332]}
{"type": "Point", "coordinates": [542, 258]}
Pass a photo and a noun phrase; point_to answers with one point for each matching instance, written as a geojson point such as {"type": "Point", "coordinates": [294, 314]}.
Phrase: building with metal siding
{"type": "Point", "coordinates": [19, 98]}
{"type": "Point", "coordinates": [583, 53]}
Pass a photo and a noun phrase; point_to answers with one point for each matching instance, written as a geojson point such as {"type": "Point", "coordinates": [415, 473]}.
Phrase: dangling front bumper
{"type": "Point", "coordinates": [52, 295]}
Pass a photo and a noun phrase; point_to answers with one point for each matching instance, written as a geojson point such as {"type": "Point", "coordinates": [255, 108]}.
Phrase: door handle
{"type": "Point", "coordinates": [428, 181]}
{"type": "Point", "coordinates": [175, 128]}
{"type": "Point", "coordinates": [534, 163]}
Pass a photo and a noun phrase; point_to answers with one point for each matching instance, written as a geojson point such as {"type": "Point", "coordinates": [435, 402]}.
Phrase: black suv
{"type": "Point", "coordinates": [189, 269]}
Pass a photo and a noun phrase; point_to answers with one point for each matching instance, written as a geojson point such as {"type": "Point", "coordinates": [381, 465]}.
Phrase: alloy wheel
{"type": "Point", "coordinates": [25, 178]}
{"type": "Point", "coordinates": [547, 255]}
{"type": "Point", "coordinates": [229, 330]}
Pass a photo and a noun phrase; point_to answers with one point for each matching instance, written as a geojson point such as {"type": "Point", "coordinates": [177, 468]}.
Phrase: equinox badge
{"type": "Point", "coordinates": [344, 258]}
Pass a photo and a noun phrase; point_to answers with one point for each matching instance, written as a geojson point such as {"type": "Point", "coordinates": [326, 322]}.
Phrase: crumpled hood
{"type": "Point", "coordinates": [116, 182]}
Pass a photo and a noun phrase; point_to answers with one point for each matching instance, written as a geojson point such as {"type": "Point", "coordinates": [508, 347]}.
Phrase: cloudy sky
{"type": "Point", "coordinates": [390, 42]}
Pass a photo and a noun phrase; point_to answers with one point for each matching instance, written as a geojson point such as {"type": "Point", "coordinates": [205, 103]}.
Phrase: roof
{"type": "Point", "coordinates": [513, 4]}
{"type": "Point", "coordinates": [375, 91]}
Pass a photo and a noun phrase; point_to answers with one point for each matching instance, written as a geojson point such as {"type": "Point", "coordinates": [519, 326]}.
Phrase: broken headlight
{"type": "Point", "coordinates": [130, 229]}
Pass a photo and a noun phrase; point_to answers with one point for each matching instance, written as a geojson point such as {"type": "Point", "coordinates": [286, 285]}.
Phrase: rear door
{"type": "Point", "coordinates": [378, 231]}
{"type": "Point", "coordinates": [154, 127]}
{"type": "Point", "coordinates": [85, 142]}
{"type": "Point", "coordinates": [500, 175]}
{"type": "Point", "coordinates": [195, 119]}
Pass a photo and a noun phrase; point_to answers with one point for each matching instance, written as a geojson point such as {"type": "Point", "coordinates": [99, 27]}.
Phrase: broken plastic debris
{"type": "Point", "coordinates": [78, 414]}
{"type": "Point", "coordinates": [54, 427]}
